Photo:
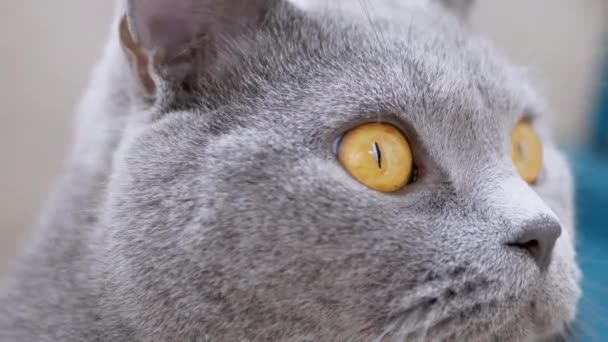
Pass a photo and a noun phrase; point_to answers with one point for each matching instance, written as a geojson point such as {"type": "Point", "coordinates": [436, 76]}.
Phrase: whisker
{"type": "Point", "coordinates": [595, 312]}
{"type": "Point", "coordinates": [593, 261]}
{"type": "Point", "coordinates": [427, 325]}
{"type": "Point", "coordinates": [377, 32]}
{"type": "Point", "coordinates": [595, 286]}
{"type": "Point", "coordinates": [579, 330]}
{"type": "Point", "coordinates": [389, 329]}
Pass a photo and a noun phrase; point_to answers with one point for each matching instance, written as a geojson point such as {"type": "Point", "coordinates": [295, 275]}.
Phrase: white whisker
{"type": "Point", "coordinates": [389, 329]}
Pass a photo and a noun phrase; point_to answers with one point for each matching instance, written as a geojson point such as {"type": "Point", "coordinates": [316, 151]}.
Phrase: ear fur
{"type": "Point", "coordinates": [461, 7]}
{"type": "Point", "coordinates": [170, 40]}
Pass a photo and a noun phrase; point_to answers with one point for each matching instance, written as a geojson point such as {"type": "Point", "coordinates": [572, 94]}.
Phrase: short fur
{"type": "Point", "coordinates": [216, 211]}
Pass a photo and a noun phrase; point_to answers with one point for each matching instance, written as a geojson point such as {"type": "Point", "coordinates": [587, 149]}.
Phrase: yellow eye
{"type": "Point", "coordinates": [527, 152]}
{"type": "Point", "coordinates": [377, 155]}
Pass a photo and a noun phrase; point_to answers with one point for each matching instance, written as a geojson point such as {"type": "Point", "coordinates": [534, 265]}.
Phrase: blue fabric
{"type": "Point", "coordinates": [601, 128]}
{"type": "Point", "coordinates": [590, 166]}
{"type": "Point", "coordinates": [591, 172]}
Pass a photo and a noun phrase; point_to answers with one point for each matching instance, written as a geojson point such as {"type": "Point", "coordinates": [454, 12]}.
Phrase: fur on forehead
{"type": "Point", "coordinates": [459, 7]}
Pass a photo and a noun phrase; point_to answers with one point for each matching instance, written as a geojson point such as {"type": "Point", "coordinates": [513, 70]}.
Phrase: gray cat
{"type": "Point", "coordinates": [209, 196]}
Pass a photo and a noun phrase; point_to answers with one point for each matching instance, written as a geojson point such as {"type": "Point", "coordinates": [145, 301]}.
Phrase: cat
{"type": "Point", "coordinates": [203, 199]}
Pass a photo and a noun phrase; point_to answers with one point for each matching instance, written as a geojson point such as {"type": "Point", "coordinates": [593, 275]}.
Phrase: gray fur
{"type": "Point", "coordinates": [219, 213]}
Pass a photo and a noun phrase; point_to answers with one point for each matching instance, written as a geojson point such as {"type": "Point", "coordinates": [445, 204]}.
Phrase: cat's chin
{"type": "Point", "coordinates": [549, 315]}
{"type": "Point", "coordinates": [554, 317]}
{"type": "Point", "coordinates": [527, 329]}
{"type": "Point", "coordinates": [555, 305]}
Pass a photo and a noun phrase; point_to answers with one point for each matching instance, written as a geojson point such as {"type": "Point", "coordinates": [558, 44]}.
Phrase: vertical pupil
{"type": "Point", "coordinates": [520, 149]}
{"type": "Point", "coordinates": [378, 154]}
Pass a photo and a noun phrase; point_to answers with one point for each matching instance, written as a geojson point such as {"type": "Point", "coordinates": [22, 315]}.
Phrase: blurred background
{"type": "Point", "coordinates": [49, 47]}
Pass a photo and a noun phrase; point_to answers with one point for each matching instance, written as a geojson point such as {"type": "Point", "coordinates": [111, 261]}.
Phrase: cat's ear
{"type": "Point", "coordinates": [171, 40]}
{"type": "Point", "coordinates": [461, 7]}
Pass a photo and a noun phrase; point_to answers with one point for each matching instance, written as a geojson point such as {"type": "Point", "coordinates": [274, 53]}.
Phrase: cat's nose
{"type": "Point", "coordinates": [537, 238]}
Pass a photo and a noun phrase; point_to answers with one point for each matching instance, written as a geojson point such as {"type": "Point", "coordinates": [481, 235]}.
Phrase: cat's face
{"type": "Point", "coordinates": [229, 216]}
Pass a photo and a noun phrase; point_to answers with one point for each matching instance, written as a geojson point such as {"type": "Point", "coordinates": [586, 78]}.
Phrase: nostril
{"type": "Point", "coordinates": [532, 247]}
{"type": "Point", "coordinates": [537, 238]}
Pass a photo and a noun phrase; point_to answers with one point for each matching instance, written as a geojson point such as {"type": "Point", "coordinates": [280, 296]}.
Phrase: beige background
{"type": "Point", "coordinates": [48, 48]}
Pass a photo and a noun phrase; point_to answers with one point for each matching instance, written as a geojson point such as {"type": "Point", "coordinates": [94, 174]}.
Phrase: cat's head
{"type": "Point", "coordinates": [235, 213]}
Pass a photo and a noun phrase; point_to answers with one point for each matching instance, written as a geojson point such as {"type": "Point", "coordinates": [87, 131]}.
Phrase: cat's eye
{"type": "Point", "coordinates": [527, 152]}
{"type": "Point", "coordinates": [378, 155]}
